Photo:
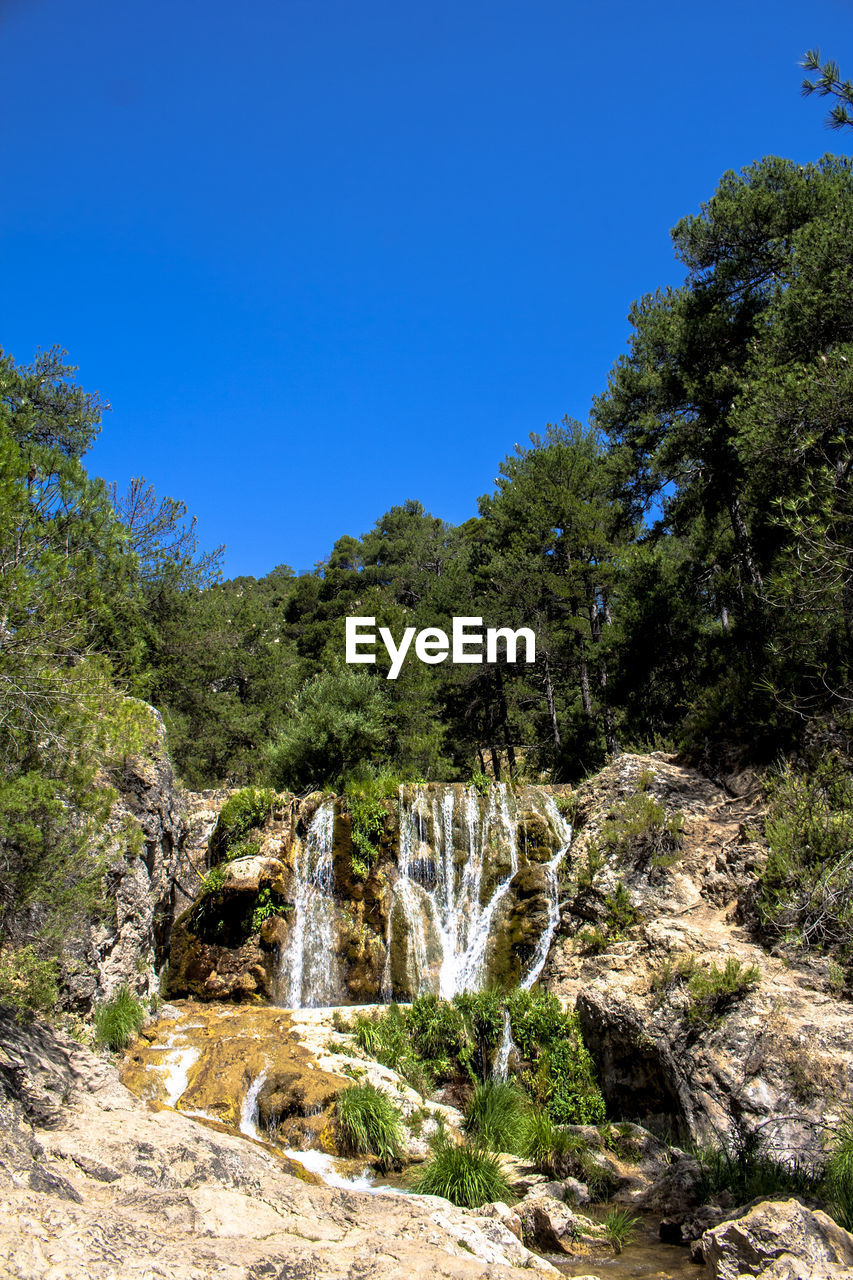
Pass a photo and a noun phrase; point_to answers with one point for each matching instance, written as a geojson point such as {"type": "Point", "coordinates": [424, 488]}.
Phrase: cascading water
{"type": "Point", "coordinates": [564, 834]}
{"type": "Point", "coordinates": [310, 970]}
{"type": "Point", "coordinates": [458, 855]}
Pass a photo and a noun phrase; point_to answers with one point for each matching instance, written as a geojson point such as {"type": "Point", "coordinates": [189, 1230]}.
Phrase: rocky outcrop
{"type": "Point", "coordinates": [782, 1240]}
{"type": "Point", "coordinates": [772, 1055]}
{"type": "Point", "coordinates": [95, 1183]}
{"type": "Point", "coordinates": [145, 834]}
{"type": "Point", "coordinates": [270, 1073]}
{"type": "Point", "coordinates": [388, 925]}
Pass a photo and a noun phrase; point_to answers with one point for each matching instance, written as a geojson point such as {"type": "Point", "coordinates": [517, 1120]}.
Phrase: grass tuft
{"type": "Point", "coordinates": [369, 1124]}
{"type": "Point", "coordinates": [496, 1116]}
{"type": "Point", "coordinates": [117, 1021]}
{"type": "Point", "coordinates": [467, 1176]}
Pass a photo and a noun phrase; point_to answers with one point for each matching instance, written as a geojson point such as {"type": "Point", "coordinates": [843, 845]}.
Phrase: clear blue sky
{"type": "Point", "coordinates": [323, 256]}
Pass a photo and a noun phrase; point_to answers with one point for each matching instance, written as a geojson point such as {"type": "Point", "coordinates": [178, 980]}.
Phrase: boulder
{"type": "Point", "coordinates": [550, 1226]}
{"type": "Point", "coordinates": [779, 1240]}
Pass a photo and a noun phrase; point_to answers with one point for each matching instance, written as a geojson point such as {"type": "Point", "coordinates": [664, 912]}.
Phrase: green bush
{"type": "Point", "coordinates": [806, 888]}
{"type": "Point", "coordinates": [439, 1040]}
{"type": "Point", "coordinates": [118, 1020]}
{"type": "Point", "coordinates": [366, 791]}
{"type": "Point", "coordinates": [837, 1185]}
{"type": "Point", "coordinates": [495, 1118]}
{"type": "Point", "coordinates": [551, 1149]}
{"type": "Point", "coordinates": [712, 992]}
{"type": "Point", "coordinates": [337, 719]}
{"type": "Point", "coordinates": [369, 1124]}
{"type": "Point", "coordinates": [621, 914]}
{"type": "Point", "coordinates": [639, 828]}
{"type": "Point", "coordinates": [481, 782]}
{"type": "Point", "coordinates": [466, 1176]}
{"type": "Point", "coordinates": [247, 809]}
{"type": "Point", "coordinates": [28, 982]}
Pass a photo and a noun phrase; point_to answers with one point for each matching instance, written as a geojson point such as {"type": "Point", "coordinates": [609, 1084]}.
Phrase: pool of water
{"type": "Point", "coordinates": [646, 1258]}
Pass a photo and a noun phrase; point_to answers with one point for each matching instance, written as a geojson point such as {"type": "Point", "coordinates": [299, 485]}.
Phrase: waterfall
{"type": "Point", "coordinates": [457, 858]}
{"type": "Point", "coordinates": [310, 969]}
{"type": "Point", "coordinates": [507, 1044]}
{"type": "Point", "coordinates": [564, 834]}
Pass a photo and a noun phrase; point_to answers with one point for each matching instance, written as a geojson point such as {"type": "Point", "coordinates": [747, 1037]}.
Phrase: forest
{"type": "Point", "coordinates": [685, 559]}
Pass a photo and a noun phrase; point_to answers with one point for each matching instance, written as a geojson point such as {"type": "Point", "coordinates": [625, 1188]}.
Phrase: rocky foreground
{"type": "Point", "coordinates": [96, 1184]}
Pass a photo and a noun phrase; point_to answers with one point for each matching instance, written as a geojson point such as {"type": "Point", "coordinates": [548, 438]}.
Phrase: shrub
{"type": "Point", "coordinates": [553, 1150]}
{"type": "Point", "coordinates": [742, 1166]}
{"type": "Point", "coordinates": [496, 1116]}
{"type": "Point", "coordinates": [481, 782]}
{"type": "Point", "coordinates": [369, 1124]}
{"type": "Point", "coordinates": [640, 828]}
{"type": "Point", "coordinates": [712, 992]}
{"type": "Point", "coordinates": [28, 982]}
{"type": "Point", "coordinates": [338, 718]}
{"type": "Point", "coordinates": [807, 884]}
{"type": "Point", "coordinates": [838, 1175]}
{"type": "Point", "coordinates": [673, 971]}
{"type": "Point", "coordinates": [247, 809]}
{"type": "Point", "coordinates": [366, 790]}
{"type": "Point", "coordinates": [621, 914]}
{"type": "Point", "coordinates": [118, 1020]}
{"type": "Point", "coordinates": [466, 1176]}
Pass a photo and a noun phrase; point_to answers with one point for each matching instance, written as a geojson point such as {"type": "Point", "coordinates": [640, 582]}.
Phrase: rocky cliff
{"type": "Point", "coordinates": [693, 1025]}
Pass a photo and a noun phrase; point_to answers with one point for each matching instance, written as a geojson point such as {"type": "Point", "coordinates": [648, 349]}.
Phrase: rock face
{"type": "Point", "coordinates": [773, 1055]}
{"type": "Point", "coordinates": [96, 1184]}
{"type": "Point", "coordinates": [460, 889]}
{"type": "Point", "coordinates": [268, 1073]}
{"type": "Point", "coordinates": [146, 830]}
{"type": "Point", "coordinates": [782, 1240]}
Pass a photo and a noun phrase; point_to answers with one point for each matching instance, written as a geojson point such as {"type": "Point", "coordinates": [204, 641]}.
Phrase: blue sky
{"type": "Point", "coordinates": [323, 256]}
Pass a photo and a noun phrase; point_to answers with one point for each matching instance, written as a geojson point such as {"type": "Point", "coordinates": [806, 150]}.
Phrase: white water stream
{"type": "Point", "coordinates": [310, 970]}
{"type": "Point", "coordinates": [457, 858]}
{"type": "Point", "coordinates": [458, 853]}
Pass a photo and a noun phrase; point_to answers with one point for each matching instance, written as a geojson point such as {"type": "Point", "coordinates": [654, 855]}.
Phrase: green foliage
{"type": "Point", "coordinates": [713, 991]}
{"type": "Point", "coordinates": [481, 782]}
{"type": "Point", "coordinates": [742, 1166]}
{"type": "Point", "coordinates": [807, 884]}
{"type": "Point", "coordinates": [267, 903]}
{"type": "Point", "coordinates": [495, 1118]}
{"type": "Point", "coordinates": [337, 720]}
{"type": "Point", "coordinates": [440, 1040]}
{"type": "Point", "coordinates": [829, 83]}
{"type": "Point", "coordinates": [621, 914]}
{"type": "Point", "coordinates": [620, 1226]}
{"type": "Point", "coordinates": [640, 829]}
{"type": "Point", "coordinates": [29, 983]}
{"type": "Point", "coordinates": [838, 1174]}
{"type": "Point", "coordinates": [675, 970]}
{"type": "Point", "coordinates": [117, 1021]}
{"type": "Point", "coordinates": [367, 790]}
{"type": "Point", "coordinates": [245, 811]}
{"type": "Point", "coordinates": [369, 1124]}
{"type": "Point", "coordinates": [467, 1176]}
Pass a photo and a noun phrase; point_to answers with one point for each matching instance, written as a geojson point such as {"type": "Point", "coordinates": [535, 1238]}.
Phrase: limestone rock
{"type": "Point", "coordinates": [124, 1188]}
{"type": "Point", "coordinates": [776, 1240]}
{"type": "Point", "coordinates": [145, 833]}
{"type": "Point", "coordinates": [777, 1056]}
{"type": "Point", "coordinates": [550, 1225]}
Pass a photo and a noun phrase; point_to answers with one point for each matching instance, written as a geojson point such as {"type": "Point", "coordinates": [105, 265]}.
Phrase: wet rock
{"type": "Point", "coordinates": [187, 1198]}
{"type": "Point", "coordinates": [776, 1240]}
